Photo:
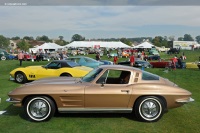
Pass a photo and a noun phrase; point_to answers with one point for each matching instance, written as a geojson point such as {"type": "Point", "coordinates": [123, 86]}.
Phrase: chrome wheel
{"type": "Point", "coordinates": [39, 108]}
{"type": "Point", "coordinates": [149, 108]}
{"type": "Point", "coordinates": [20, 77]}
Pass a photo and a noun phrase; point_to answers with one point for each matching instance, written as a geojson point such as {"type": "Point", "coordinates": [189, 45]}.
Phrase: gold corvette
{"type": "Point", "coordinates": [55, 68]}
{"type": "Point", "coordinates": [108, 88]}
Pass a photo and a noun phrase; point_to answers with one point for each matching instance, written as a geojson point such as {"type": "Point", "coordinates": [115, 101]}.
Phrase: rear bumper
{"type": "Point", "coordinates": [185, 100]}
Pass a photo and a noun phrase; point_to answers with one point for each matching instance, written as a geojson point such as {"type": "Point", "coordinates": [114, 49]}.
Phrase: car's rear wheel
{"type": "Point", "coordinates": [39, 108]}
{"type": "Point", "coordinates": [20, 77]}
{"type": "Point", "coordinates": [3, 58]}
{"type": "Point", "coordinates": [149, 109]}
{"type": "Point", "coordinates": [66, 75]}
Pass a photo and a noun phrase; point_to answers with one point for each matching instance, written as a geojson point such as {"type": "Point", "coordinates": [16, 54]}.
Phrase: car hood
{"type": "Point", "coordinates": [84, 68]}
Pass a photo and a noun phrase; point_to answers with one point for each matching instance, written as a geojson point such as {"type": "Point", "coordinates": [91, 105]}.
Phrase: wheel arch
{"type": "Point", "coordinates": [65, 74]}
{"type": "Point", "coordinates": [40, 95]}
{"type": "Point", "coordinates": [158, 96]}
{"type": "Point", "coordinates": [22, 71]}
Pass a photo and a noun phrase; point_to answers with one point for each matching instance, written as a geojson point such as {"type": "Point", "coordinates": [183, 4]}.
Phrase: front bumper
{"type": "Point", "coordinates": [11, 78]}
{"type": "Point", "coordinates": [185, 100]}
{"type": "Point", "coordinates": [15, 102]}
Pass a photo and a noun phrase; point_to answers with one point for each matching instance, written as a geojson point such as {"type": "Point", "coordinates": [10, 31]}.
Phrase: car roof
{"type": "Point", "coordinates": [129, 68]}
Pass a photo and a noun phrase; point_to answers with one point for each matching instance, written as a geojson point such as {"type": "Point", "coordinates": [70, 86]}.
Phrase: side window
{"type": "Point", "coordinates": [54, 65]}
{"type": "Point", "coordinates": [149, 76]}
{"type": "Point", "coordinates": [114, 77]}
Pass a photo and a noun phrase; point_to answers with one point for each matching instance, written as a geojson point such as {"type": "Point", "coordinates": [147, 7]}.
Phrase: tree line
{"type": "Point", "coordinates": [157, 40]}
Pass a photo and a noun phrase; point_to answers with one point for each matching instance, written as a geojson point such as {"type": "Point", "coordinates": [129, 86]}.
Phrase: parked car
{"type": "Point", "coordinates": [28, 57]}
{"type": "Point", "coordinates": [192, 64]}
{"type": "Point", "coordinates": [106, 62]}
{"type": "Point", "coordinates": [44, 57]}
{"type": "Point", "coordinates": [125, 54]}
{"type": "Point", "coordinates": [138, 63]}
{"type": "Point", "coordinates": [153, 51]}
{"type": "Point", "coordinates": [154, 57]}
{"type": "Point", "coordinates": [108, 88]}
{"type": "Point", "coordinates": [5, 55]}
{"type": "Point", "coordinates": [85, 61]}
{"type": "Point", "coordinates": [55, 68]}
{"type": "Point", "coordinates": [173, 51]}
{"type": "Point", "coordinates": [165, 64]}
{"type": "Point", "coordinates": [198, 65]}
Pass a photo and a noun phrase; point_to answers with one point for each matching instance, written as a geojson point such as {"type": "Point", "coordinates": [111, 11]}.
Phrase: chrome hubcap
{"type": "Point", "coordinates": [150, 109]}
{"type": "Point", "coordinates": [19, 77]}
{"type": "Point", "coordinates": [38, 108]}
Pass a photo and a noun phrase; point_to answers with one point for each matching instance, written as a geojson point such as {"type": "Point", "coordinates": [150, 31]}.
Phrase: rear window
{"type": "Point", "coordinates": [149, 76]}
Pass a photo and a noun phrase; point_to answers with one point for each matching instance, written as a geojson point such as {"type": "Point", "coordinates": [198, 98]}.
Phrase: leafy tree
{"type": "Point", "coordinates": [23, 45]}
{"type": "Point", "coordinates": [28, 38]}
{"type": "Point", "coordinates": [61, 38]}
{"type": "Point", "coordinates": [43, 38]}
{"type": "Point", "coordinates": [4, 42]}
{"type": "Point", "coordinates": [197, 38]}
{"type": "Point", "coordinates": [171, 38]}
{"type": "Point", "coordinates": [180, 39]}
{"type": "Point", "coordinates": [157, 41]}
{"type": "Point", "coordinates": [15, 38]}
{"type": "Point", "coordinates": [61, 43]}
{"type": "Point", "coordinates": [77, 37]}
{"type": "Point", "coordinates": [188, 37]}
{"type": "Point", "coordinates": [126, 41]}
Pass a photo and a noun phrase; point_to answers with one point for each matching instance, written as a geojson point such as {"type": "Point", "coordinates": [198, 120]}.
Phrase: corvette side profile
{"type": "Point", "coordinates": [55, 68]}
{"type": "Point", "coordinates": [107, 88]}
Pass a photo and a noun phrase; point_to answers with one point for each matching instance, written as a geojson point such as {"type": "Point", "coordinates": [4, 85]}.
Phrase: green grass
{"type": "Point", "coordinates": [184, 119]}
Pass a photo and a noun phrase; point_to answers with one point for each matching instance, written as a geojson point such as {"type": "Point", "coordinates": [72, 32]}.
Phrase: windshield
{"type": "Point", "coordinates": [91, 75]}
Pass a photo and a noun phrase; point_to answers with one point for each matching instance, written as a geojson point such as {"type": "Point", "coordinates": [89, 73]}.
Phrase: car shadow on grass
{"type": "Point", "coordinates": [96, 115]}
{"type": "Point", "coordinates": [14, 111]}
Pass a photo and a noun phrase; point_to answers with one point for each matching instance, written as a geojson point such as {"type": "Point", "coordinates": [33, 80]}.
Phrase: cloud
{"type": "Point", "coordinates": [107, 19]}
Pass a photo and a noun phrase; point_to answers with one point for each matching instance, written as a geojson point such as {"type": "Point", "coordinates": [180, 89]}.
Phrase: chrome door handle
{"type": "Point", "coordinates": [125, 91]}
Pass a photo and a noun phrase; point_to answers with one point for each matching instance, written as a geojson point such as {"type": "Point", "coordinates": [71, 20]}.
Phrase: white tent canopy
{"type": "Point", "coordinates": [93, 44]}
{"type": "Point", "coordinates": [47, 46]}
{"type": "Point", "coordinates": [144, 45]}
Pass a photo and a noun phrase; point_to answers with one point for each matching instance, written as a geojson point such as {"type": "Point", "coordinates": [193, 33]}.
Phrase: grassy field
{"type": "Point", "coordinates": [180, 120]}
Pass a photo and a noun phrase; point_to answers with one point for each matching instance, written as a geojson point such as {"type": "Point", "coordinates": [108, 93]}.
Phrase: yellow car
{"type": "Point", "coordinates": [55, 68]}
{"type": "Point", "coordinates": [191, 64]}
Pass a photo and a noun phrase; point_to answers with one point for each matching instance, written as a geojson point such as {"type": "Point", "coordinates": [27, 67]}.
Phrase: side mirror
{"type": "Point", "coordinates": [102, 84]}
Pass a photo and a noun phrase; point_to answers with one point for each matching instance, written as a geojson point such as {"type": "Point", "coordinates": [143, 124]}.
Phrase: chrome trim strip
{"type": "Point", "coordinates": [95, 110]}
{"type": "Point", "coordinates": [185, 101]}
{"type": "Point", "coordinates": [12, 101]}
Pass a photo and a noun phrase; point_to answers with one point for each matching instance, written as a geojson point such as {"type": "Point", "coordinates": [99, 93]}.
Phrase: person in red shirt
{"type": "Point", "coordinates": [132, 60]}
{"type": "Point", "coordinates": [174, 60]}
{"type": "Point", "coordinates": [115, 60]}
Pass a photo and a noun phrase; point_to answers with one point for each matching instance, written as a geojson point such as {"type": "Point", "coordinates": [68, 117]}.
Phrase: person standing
{"type": "Point", "coordinates": [115, 60]}
{"type": "Point", "coordinates": [20, 57]}
{"type": "Point", "coordinates": [98, 57]}
{"type": "Point", "coordinates": [132, 60]}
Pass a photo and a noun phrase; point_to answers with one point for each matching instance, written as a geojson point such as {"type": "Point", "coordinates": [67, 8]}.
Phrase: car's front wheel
{"type": "Point", "coordinates": [39, 108]}
{"type": "Point", "coordinates": [20, 77]}
{"type": "Point", "coordinates": [149, 108]}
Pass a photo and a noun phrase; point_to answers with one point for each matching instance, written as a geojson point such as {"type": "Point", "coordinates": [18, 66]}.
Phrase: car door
{"type": "Point", "coordinates": [108, 92]}
{"type": "Point", "coordinates": [51, 70]}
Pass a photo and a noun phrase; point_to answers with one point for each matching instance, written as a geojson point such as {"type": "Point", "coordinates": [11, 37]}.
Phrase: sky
{"type": "Point", "coordinates": [99, 21]}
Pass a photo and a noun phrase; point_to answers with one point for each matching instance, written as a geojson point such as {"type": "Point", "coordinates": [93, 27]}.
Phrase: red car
{"type": "Point", "coordinates": [161, 64]}
{"type": "Point", "coordinates": [29, 57]}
